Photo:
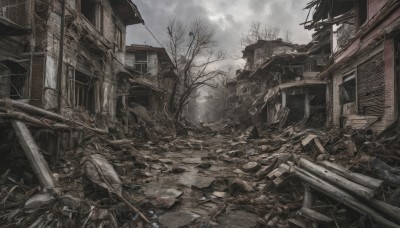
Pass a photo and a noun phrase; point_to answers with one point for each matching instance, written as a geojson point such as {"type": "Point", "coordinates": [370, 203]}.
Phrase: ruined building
{"type": "Point", "coordinates": [92, 52]}
{"type": "Point", "coordinates": [279, 83]}
{"type": "Point", "coordinates": [153, 76]}
{"type": "Point", "coordinates": [362, 73]}
{"type": "Point", "coordinates": [87, 37]}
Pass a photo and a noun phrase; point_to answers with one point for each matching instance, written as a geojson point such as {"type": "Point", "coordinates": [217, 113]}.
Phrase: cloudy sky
{"type": "Point", "coordinates": [230, 19]}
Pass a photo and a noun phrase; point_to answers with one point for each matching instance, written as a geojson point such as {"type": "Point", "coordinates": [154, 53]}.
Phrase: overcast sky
{"type": "Point", "coordinates": [230, 18]}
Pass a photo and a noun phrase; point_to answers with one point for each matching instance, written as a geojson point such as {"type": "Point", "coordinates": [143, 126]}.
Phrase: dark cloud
{"type": "Point", "coordinates": [229, 18]}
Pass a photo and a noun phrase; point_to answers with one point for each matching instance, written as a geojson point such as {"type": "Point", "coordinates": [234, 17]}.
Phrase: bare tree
{"type": "Point", "coordinates": [195, 54]}
{"type": "Point", "coordinates": [287, 36]}
{"type": "Point", "coordinates": [259, 32]}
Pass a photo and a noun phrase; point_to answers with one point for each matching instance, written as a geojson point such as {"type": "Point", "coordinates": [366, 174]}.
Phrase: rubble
{"type": "Point", "coordinates": [305, 144]}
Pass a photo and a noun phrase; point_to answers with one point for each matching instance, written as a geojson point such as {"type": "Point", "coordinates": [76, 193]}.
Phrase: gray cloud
{"type": "Point", "coordinates": [257, 6]}
{"type": "Point", "coordinates": [229, 18]}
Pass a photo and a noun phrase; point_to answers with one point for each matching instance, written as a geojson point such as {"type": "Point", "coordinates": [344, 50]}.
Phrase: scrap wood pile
{"type": "Point", "coordinates": [366, 193]}
{"type": "Point", "coordinates": [89, 186]}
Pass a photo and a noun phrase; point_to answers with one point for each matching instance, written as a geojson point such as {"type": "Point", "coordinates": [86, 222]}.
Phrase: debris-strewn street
{"type": "Point", "coordinates": [216, 175]}
{"type": "Point", "coordinates": [195, 126]}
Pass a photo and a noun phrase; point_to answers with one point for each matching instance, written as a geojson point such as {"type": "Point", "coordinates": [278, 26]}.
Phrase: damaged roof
{"type": "Point", "coordinates": [247, 52]}
{"type": "Point", "coordinates": [161, 52]}
{"type": "Point", "coordinates": [284, 58]}
{"type": "Point", "coordinates": [127, 11]}
{"type": "Point", "coordinates": [322, 8]}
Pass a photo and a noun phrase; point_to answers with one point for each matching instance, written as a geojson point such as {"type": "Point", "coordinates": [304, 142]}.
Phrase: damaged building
{"type": "Point", "coordinates": [362, 73]}
{"type": "Point", "coordinates": [153, 76]}
{"type": "Point", "coordinates": [279, 84]}
{"type": "Point", "coordinates": [92, 52]}
{"type": "Point", "coordinates": [65, 56]}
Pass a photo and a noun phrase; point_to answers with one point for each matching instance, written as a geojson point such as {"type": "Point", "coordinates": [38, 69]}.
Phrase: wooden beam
{"type": "Point", "coordinates": [32, 152]}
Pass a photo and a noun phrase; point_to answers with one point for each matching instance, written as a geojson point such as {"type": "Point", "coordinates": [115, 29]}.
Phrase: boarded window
{"type": "Point", "coordinates": [371, 87]}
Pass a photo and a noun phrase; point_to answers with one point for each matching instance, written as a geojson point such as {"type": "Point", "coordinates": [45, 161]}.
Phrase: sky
{"type": "Point", "coordinates": [230, 19]}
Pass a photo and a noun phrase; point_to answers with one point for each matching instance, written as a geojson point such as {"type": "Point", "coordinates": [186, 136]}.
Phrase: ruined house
{"type": "Point", "coordinates": [284, 77]}
{"type": "Point", "coordinates": [92, 51]}
{"type": "Point", "coordinates": [153, 76]}
{"type": "Point", "coordinates": [86, 36]}
{"type": "Point", "coordinates": [291, 91]}
{"type": "Point", "coordinates": [362, 73]}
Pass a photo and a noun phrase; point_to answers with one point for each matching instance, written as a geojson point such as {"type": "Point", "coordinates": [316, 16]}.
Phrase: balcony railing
{"type": "Point", "coordinates": [14, 11]}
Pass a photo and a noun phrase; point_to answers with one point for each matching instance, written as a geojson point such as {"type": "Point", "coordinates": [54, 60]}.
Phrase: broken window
{"type": "Point", "coordinates": [348, 89]}
{"type": "Point", "coordinates": [141, 61]}
{"type": "Point", "coordinates": [93, 12]}
{"type": "Point", "coordinates": [13, 80]}
{"type": "Point", "coordinates": [83, 91]}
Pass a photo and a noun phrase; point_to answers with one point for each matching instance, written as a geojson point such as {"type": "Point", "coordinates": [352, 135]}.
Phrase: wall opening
{"type": "Point", "coordinates": [13, 80]}
{"type": "Point", "coordinates": [84, 92]}
{"type": "Point", "coordinates": [140, 95]}
{"type": "Point", "coordinates": [92, 11]}
{"type": "Point", "coordinates": [348, 89]}
{"type": "Point", "coordinates": [141, 61]}
{"type": "Point", "coordinates": [362, 12]}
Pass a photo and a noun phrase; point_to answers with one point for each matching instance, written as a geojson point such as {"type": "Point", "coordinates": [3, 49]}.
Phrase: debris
{"type": "Point", "coordinates": [35, 158]}
{"type": "Point", "coordinates": [99, 171]}
{"type": "Point", "coordinates": [238, 219]}
{"type": "Point", "coordinates": [251, 167]}
{"type": "Point", "coordinates": [251, 133]}
{"type": "Point", "coordinates": [178, 219]}
{"type": "Point", "coordinates": [239, 186]}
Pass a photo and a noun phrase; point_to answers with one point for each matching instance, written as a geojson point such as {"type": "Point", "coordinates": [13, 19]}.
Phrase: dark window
{"type": "Point", "coordinates": [362, 12]}
{"type": "Point", "coordinates": [141, 61]}
{"type": "Point", "coordinates": [348, 89]}
{"type": "Point", "coordinates": [93, 13]}
{"type": "Point", "coordinates": [84, 92]}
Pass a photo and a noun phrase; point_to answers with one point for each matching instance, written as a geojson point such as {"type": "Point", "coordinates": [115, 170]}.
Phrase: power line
{"type": "Point", "coordinates": [153, 36]}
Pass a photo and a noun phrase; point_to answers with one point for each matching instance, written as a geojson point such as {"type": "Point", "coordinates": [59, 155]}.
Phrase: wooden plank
{"type": "Point", "coordinates": [319, 146]}
{"type": "Point", "coordinates": [314, 215]}
{"type": "Point", "coordinates": [361, 179]}
{"type": "Point", "coordinates": [349, 200]}
{"type": "Point", "coordinates": [32, 152]}
{"type": "Point", "coordinates": [340, 181]}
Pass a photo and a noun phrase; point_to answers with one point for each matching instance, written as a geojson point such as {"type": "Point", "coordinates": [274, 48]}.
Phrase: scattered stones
{"type": "Point", "coordinates": [239, 186]}
{"type": "Point", "coordinates": [166, 160]}
{"type": "Point", "coordinates": [219, 194]}
{"type": "Point", "coordinates": [196, 160]}
{"type": "Point", "coordinates": [166, 198]}
{"type": "Point", "coordinates": [235, 153]}
{"type": "Point", "coordinates": [178, 219]}
{"type": "Point", "coordinates": [251, 167]}
{"type": "Point", "coordinates": [238, 219]}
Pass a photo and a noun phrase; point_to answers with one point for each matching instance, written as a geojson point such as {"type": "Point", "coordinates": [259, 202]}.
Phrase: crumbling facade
{"type": "Point", "coordinates": [362, 75]}
{"type": "Point", "coordinates": [88, 37]}
{"type": "Point", "coordinates": [153, 76]}
{"type": "Point", "coordinates": [279, 82]}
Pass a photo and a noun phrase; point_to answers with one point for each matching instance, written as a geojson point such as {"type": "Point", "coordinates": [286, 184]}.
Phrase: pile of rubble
{"type": "Point", "coordinates": [214, 176]}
